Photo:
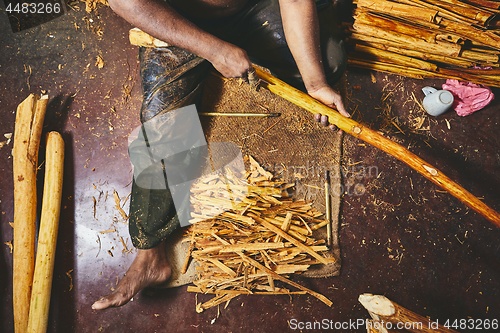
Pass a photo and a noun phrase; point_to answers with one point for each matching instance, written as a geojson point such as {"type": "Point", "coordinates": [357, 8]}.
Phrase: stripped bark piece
{"type": "Point", "coordinates": [219, 243]}
{"type": "Point", "coordinates": [140, 38]}
{"type": "Point", "coordinates": [285, 226]}
{"type": "Point", "coordinates": [28, 128]}
{"type": "Point", "coordinates": [295, 242]}
{"type": "Point", "coordinates": [283, 279]}
{"type": "Point", "coordinates": [118, 205]}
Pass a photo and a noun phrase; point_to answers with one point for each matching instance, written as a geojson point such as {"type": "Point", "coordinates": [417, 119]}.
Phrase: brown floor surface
{"type": "Point", "coordinates": [400, 237]}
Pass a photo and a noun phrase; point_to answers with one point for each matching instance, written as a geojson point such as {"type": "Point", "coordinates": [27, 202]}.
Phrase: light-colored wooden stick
{"type": "Point", "coordinates": [328, 210]}
{"type": "Point", "coordinates": [278, 291]}
{"type": "Point", "coordinates": [391, 46]}
{"type": "Point", "coordinates": [382, 309]}
{"type": "Point", "coordinates": [28, 127]}
{"type": "Point", "coordinates": [285, 226]}
{"type": "Point", "coordinates": [47, 236]}
{"type": "Point", "coordinates": [187, 260]}
{"type": "Point", "coordinates": [276, 276]}
{"type": "Point", "coordinates": [239, 114]}
{"type": "Point", "coordinates": [400, 26]}
{"type": "Point", "coordinates": [292, 240]}
{"type": "Point", "coordinates": [372, 137]}
{"type": "Point", "coordinates": [140, 38]}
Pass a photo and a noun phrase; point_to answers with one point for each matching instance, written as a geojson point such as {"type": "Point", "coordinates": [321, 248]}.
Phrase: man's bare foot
{"type": "Point", "coordinates": [149, 268]}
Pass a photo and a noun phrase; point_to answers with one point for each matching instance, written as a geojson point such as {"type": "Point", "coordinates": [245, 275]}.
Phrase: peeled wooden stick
{"type": "Point", "coordinates": [140, 38]}
{"type": "Point", "coordinates": [47, 237]}
{"type": "Point", "coordinates": [372, 137]}
{"type": "Point", "coordinates": [28, 128]}
{"type": "Point", "coordinates": [383, 310]}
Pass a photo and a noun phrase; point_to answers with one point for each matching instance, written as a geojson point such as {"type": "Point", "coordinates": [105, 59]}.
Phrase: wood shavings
{"type": "Point", "coordinates": [94, 206]}
{"type": "Point", "coordinates": [9, 244]}
{"type": "Point", "coordinates": [125, 247]}
{"type": "Point", "coordinates": [68, 274]}
{"type": "Point", "coordinates": [108, 231]}
{"type": "Point", "coordinates": [417, 123]}
{"type": "Point", "coordinates": [98, 241]}
{"type": "Point", "coordinates": [118, 205]}
{"type": "Point", "coordinates": [91, 5]}
{"type": "Point", "coordinates": [27, 69]}
{"type": "Point", "coordinates": [8, 136]}
{"type": "Point", "coordinates": [73, 4]}
{"type": "Point", "coordinates": [99, 62]}
{"type": "Point", "coordinates": [260, 238]}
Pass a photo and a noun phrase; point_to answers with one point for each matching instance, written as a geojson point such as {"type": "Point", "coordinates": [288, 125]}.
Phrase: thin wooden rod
{"type": "Point", "coordinates": [375, 139]}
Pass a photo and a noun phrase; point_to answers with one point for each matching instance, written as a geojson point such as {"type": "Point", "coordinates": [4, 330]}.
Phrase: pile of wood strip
{"type": "Point", "coordinates": [261, 238]}
{"type": "Point", "coordinates": [434, 39]}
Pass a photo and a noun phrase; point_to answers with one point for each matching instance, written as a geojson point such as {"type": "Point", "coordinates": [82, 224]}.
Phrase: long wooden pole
{"type": "Point", "coordinates": [28, 127]}
{"type": "Point", "coordinates": [47, 236]}
{"type": "Point", "coordinates": [372, 137]}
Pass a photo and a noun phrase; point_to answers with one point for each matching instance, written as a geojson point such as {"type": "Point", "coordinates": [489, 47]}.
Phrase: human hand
{"type": "Point", "coordinates": [232, 61]}
{"type": "Point", "coordinates": [331, 98]}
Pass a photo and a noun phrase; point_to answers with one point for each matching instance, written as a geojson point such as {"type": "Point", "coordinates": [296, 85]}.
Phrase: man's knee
{"type": "Point", "coordinates": [171, 78]}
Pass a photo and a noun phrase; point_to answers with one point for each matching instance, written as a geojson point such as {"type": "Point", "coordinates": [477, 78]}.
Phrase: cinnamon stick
{"type": "Point", "coordinates": [28, 127]}
{"type": "Point", "coordinates": [47, 237]}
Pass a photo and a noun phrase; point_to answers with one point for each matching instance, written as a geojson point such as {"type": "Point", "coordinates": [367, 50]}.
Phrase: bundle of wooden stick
{"type": "Point", "coordinates": [433, 39]}
{"type": "Point", "coordinates": [262, 237]}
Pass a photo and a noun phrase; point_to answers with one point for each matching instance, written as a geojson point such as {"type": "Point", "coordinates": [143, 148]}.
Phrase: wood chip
{"type": "Point", "coordinates": [118, 205]}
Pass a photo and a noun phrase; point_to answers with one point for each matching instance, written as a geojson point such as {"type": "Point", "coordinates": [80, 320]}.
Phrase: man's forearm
{"type": "Point", "coordinates": [160, 20]}
{"type": "Point", "coordinates": [301, 28]}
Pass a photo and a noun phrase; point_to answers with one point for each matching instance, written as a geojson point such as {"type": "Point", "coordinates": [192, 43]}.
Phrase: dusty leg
{"type": "Point", "coordinates": [149, 268]}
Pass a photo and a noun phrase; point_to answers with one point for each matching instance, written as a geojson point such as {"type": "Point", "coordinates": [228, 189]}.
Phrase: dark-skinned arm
{"type": "Point", "coordinates": [160, 20]}
{"type": "Point", "coordinates": [300, 23]}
